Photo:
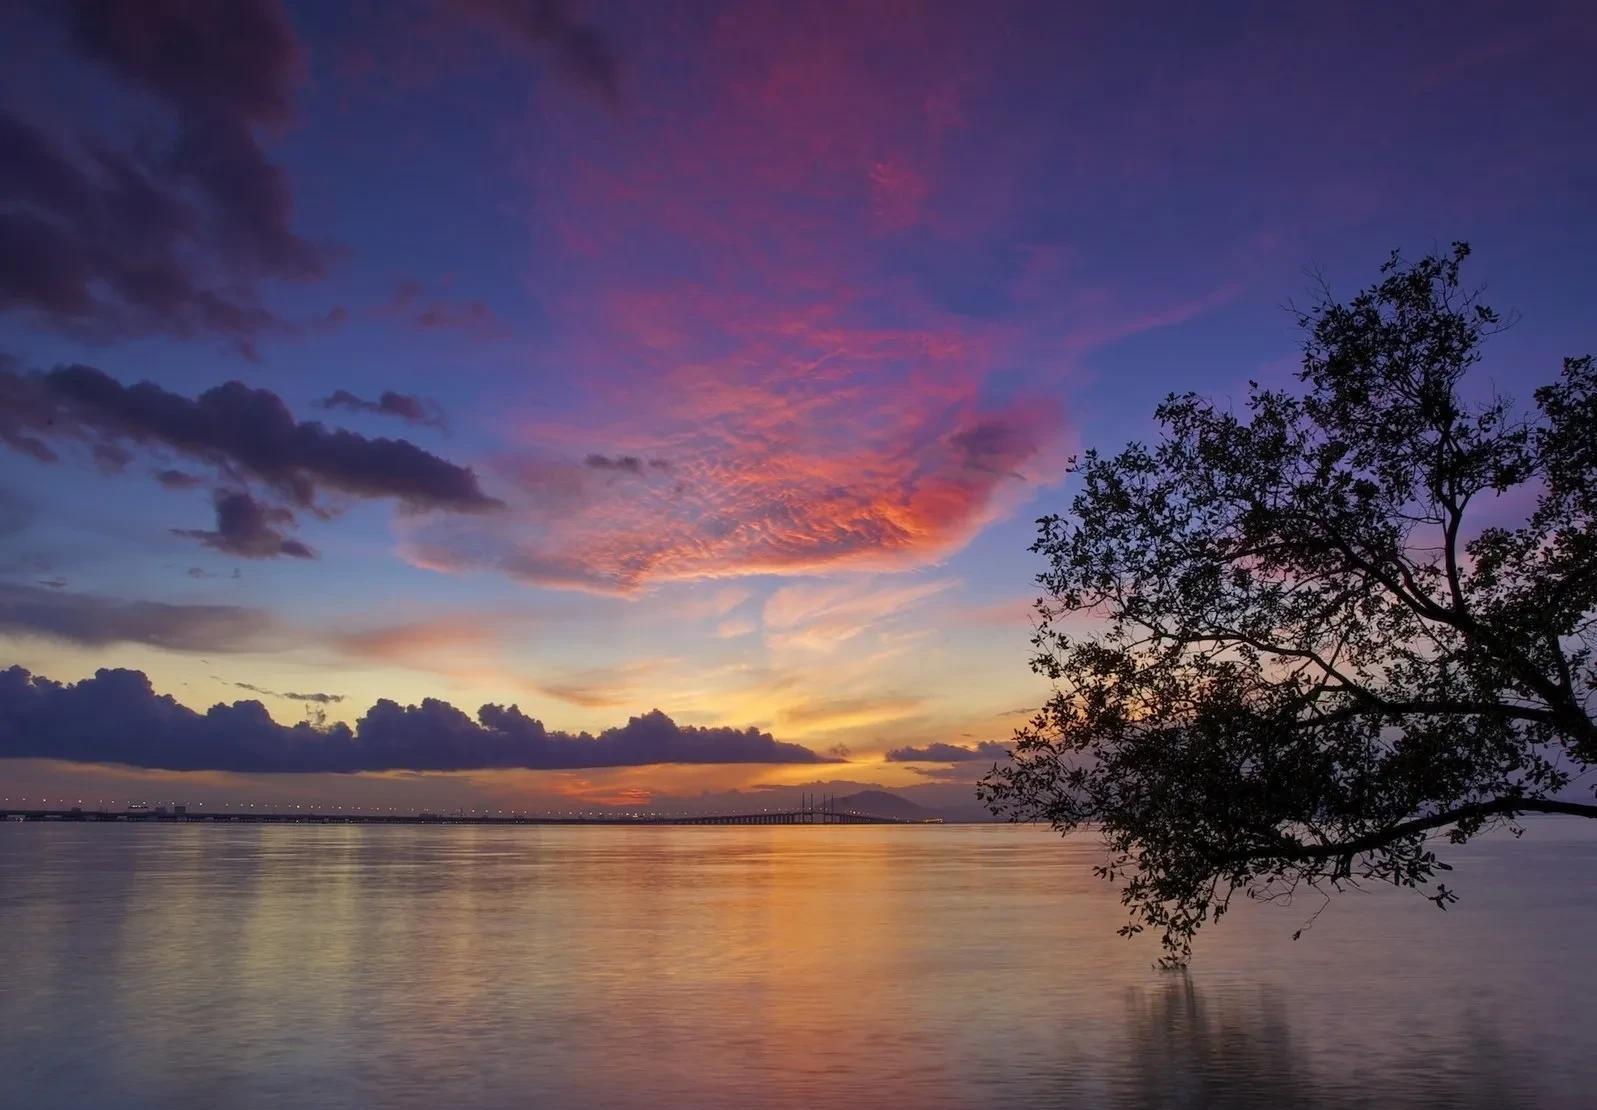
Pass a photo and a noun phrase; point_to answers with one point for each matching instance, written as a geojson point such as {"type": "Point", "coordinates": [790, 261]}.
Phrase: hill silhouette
{"type": "Point", "coordinates": [879, 803]}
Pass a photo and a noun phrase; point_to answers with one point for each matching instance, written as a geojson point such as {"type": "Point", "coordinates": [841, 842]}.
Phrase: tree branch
{"type": "Point", "coordinates": [1380, 707]}
{"type": "Point", "coordinates": [1498, 807]}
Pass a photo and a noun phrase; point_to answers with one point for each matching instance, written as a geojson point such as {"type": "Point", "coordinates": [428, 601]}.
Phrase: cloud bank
{"type": "Point", "coordinates": [117, 717]}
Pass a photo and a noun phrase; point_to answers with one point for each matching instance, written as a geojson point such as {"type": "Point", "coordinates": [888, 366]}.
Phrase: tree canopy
{"type": "Point", "coordinates": [1292, 645]}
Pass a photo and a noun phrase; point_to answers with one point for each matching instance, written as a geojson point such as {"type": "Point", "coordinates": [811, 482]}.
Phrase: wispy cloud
{"type": "Point", "coordinates": [832, 714]}
{"type": "Point", "coordinates": [94, 621]}
{"type": "Point", "coordinates": [403, 406]}
{"type": "Point", "coordinates": [950, 753]}
{"type": "Point", "coordinates": [312, 698]}
{"type": "Point", "coordinates": [821, 616]}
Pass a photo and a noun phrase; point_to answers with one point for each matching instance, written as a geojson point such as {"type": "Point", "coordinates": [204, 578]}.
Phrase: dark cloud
{"type": "Point", "coordinates": [411, 304]}
{"type": "Point", "coordinates": [626, 464]}
{"type": "Point", "coordinates": [993, 446]}
{"type": "Point", "coordinates": [416, 410]}
{"type": "Point", "coordinates": [245, 527]}
{"type": "Point", "coordinates": [163, 236]}
{"type": "Point", "coordinates": [580, 49]}
{"type": "Point", "coordinates": [111, 458]}
{"type": "Point", "coordinates": [236, 59]}
{"type": "Point", "coordinates": [100, 621]}
{"type": "Point", "coordinates": [224, 69]}
{"type": "Point", "coordinates": [241, 431]}
{"type": "Point", "coordinates": [950, 753]}
{"type": "Point", "coordinates": [317, 699]}
{"type": "Point", "coordinates": [250, 200]}
{"type": "Point", "coordinates": [177, 479]}
{"type": "Point", "coordinates": [116, 717]}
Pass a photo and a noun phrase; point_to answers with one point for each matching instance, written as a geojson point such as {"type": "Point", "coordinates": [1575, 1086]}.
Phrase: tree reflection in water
{"type": "Point", "coordinates": [1184, 1048]}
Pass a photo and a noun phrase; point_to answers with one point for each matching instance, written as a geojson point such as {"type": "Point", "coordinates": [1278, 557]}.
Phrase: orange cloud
{"type": "Point", "coordinates": [851, 712]}
{"type": "Point", "coordinates": [813, 445]}
{"type": "Point", "coordinates": [423, 642]}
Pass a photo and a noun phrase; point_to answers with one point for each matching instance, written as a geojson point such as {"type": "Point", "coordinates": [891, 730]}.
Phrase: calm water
{"type": "Point", "coordinates": [205, 966]}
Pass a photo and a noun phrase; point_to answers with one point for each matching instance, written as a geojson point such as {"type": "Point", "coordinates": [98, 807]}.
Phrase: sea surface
{"type": "Point", "coordinates": [209, 966]}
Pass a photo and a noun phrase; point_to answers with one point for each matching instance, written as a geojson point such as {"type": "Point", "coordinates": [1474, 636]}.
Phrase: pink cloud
{"type": "Point", "coordinates": [731, 299]}
{"type": "Point", "coordinates": [821, 459]}
{"type": "Point", "coordinates": [421, 641]}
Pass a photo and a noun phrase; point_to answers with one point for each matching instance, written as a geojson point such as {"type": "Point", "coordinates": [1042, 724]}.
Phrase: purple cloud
{"type": "Point", "coordinates": [177, 479]}
{"type": "Point", "coordinates": [236, 429]}
{"type": "Point", "coordinates": [411, 304]}
{"type": "Point", "coordinates": [101, 621]}
{"type": "Point", "coordinates": [117, 717]}
{"type": "Point", "coordinates": [404, 406]}
{"type": "Point", "coordinates": [161, 237]}
{"type": "Point", "coordinates": [313, 698]}
{"type": "Point", "coordinates": [579, 49]}
{"type": "Point", "coordinates": [236, 59]}
{"type": "Point", "coordinates": [950, 753]}
{"type": "Point", "coordinates": [625, 464]}
{"type": "Point", "coordinates": [244, 527]}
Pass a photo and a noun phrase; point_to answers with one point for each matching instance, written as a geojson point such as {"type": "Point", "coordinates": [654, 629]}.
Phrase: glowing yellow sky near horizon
{"type": "Point", "coordinates": [853, 664]}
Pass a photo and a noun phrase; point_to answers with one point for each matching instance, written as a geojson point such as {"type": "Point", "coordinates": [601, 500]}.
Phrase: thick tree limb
{"type": "Point", "coordinates": [1498, 807]}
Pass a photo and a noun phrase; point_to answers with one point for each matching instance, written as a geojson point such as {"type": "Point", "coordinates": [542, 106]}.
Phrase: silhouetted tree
{"type": "Point", "coordinates": [1284, 648]}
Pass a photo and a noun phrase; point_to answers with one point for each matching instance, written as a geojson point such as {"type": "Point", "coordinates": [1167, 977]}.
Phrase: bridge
{"type": "Point", "coordinates": [812, 810]}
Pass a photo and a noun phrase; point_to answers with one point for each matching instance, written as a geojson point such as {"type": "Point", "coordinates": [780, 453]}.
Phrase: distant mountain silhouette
{"type": "Point", "coordinates": [879, 803]}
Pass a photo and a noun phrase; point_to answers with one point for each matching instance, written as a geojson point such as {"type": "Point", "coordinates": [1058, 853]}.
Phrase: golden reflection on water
{"type": "Point", "coordinates": [730, 967]}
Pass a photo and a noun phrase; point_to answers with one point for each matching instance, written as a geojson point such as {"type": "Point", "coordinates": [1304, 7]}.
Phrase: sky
{"type": "Point", "coordinates": [540, 405]}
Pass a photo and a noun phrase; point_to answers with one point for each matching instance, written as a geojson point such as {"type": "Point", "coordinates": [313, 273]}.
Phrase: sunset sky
{"type": "Point", "coordinates": [713, 359]}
